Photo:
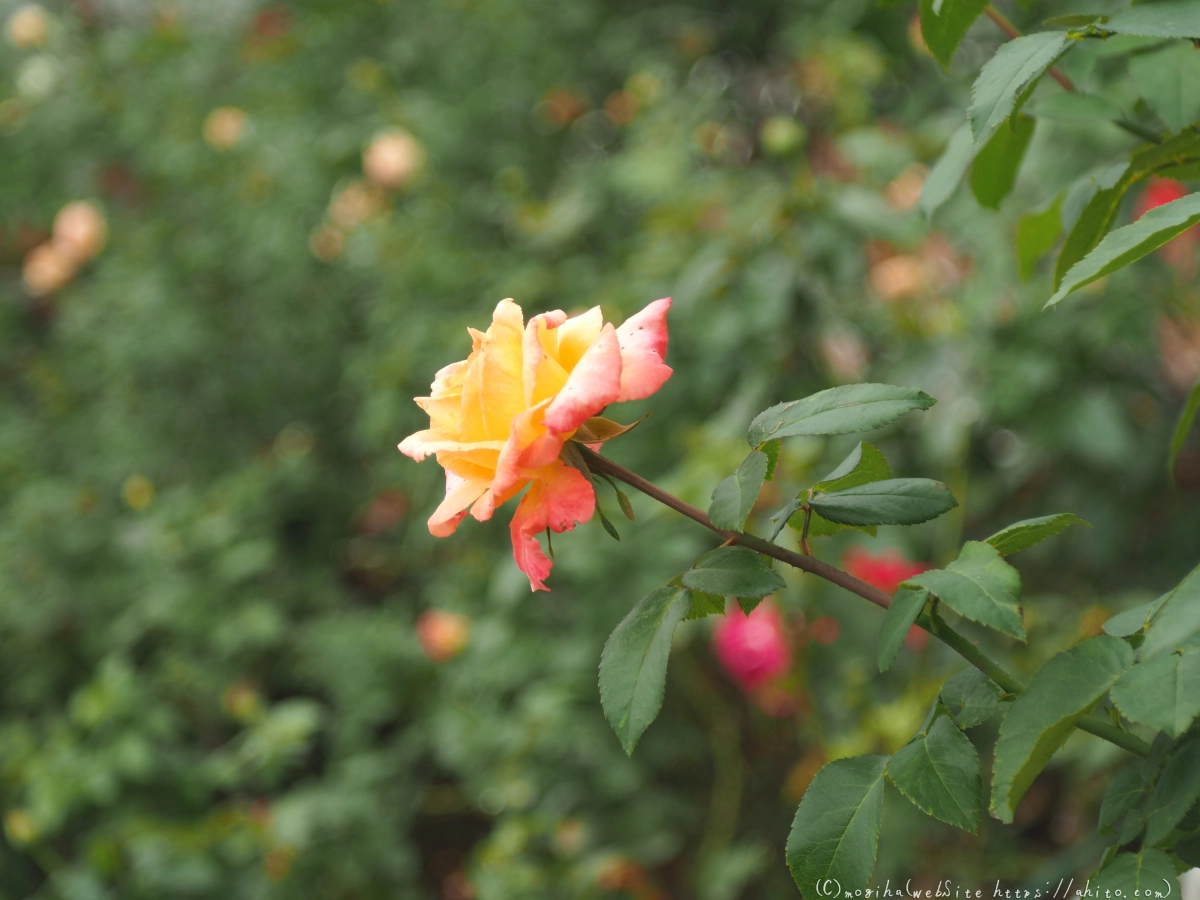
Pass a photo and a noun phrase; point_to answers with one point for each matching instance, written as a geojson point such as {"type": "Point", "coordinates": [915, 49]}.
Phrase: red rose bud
{"type": "Point", "coordinates": [884, 570]}
{"type": "Point", "coordinates": [753, 649]}
{"type": "Point", "coordinates": [442, 635]}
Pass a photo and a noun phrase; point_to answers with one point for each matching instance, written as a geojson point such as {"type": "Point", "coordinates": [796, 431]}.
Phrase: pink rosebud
{"type": "Point", "coordinates": [884, 570]}
{"type": "Point", "coordinates": [753, 649]}
{"type": "Point", "coordinates": [442, 635]}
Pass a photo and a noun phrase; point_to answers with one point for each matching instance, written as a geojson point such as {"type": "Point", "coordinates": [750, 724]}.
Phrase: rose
{"type": "Point", "coordinates": [886, 570]}
{"type": "Point", "coordinates": [499, 419]}
{"type": "Point", "coordinates": [752, 648]}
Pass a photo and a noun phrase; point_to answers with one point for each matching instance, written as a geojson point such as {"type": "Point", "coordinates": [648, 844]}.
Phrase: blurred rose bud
{"type": "Point", "coordinates": [385, 512]}
{"type": "Point", "coordinates": [621, 107]}
{"type": "Point", "coordinates": [47, 268]}
{"type": "Point", "coordinates": [824, 629]}
{"type": "Point", "coordinates": [845, 355]}
{"type": "Point", "coordinates": [442, 635]}
{"type": "Point", "coordinates": [897, 278]}
{"type": "Point", "coordinates": [326, 243]}
{"type": "Point", "coordinates": [781, 135]}
{"type": "Point", "coordinates": [884, 570]}
{"type": "Point", "coordinates": [1179, 349]}
{"type": "Point", "coordinates": [28, 27]}
{"type": "Point", "coordinates": [354, 204]}
{"type": "Point", "coordinates": [138, 492]}
{"type": "Point", "coordinates": [242, 702]}
{"type": "Point", "coordinates": [1180, 252]}
{"type": "Point", "coordinates": [392, 159]}
{"type": "Point", "coordinates": [562, 107]}
{"type": "Point", "coordinates": [224, 127]}
{"type": "Point", "coordinates": [753, 648]}
{"type": "Point", "coordinates": [80, 230]}
{"type": "Point", "coordinates": [904, 191]}
{"type": "Point", "coordinates": [917, 639]}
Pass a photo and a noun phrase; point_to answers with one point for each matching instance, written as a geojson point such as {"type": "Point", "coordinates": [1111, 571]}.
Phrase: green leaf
{"type": "Point", "coordinates": [633, 665]}
{"type": "Point", "coordinates": [971, 697]}
{"type": "Point", "coordinates": [1015, 68]}
{"type": "Point", "coordinates": [1176, 790]}
{"type": "Point", "coordinates": [1074, 20]}
{"type": "Point", "coordinates": [705, 605]}
{"type": "Point", "coordinates": [979, 585]}
{"type": "Point", "coordinates": [1182, 427]}
{"type": "Point", "coordinates": [839, 410]}
{"type": "Point", "coordinates": [733, 572]}
{"type": "Point", "coordinates": [1169, 80]}
{"type": "Point", "coordinates": [1134, 620]}
{"type": "Point", "coordinates": [1037, 233]}
{"type": "Point", "coordinates": [1093, 223]}
{"type": "Point", "coordinates": [1074, 106]}
{"type": "Point", "coordinates": [1041, 718]}
{"type": "Point", "coordinates": [996, 165]}
{"type": "Point", "coordinates": [943, 25]}
{"type": "Point", "coordinates": [735, 496]}
{"type": "Point", "coordinates": [608, 526]}
{"type": "Point", "coordinates": [1177, 621]}
{"type": "Point", "coordinates": [1187, 848]}
{"type": "Point", "coordinates": [1163, 692]}
{"type": "Point", "coordinates": [1124, 791]}
{"type": "Point", "coordinates": [897, 501]}
{"type": "Point", "coordinates": [772, 449]}
{"type": "Point", "coordinates": [864, 464]}
{"type": "Point", "coordinates": [939, 772]}
{"type": "Point", "coordinates": [1131, 243]}
{"type": "Point", "coordinates": [1024, 534]}
{"type": "Point", "coordinates": [948, 171]}
{"type": "Point", "coordinates": [906, 607]}
{"type": "Point", "coordinates": [835, 834]}
{"type": "Point", "coordinates": [1165, 19]}
{"type": "Point", "coordinates": [1149, 871]}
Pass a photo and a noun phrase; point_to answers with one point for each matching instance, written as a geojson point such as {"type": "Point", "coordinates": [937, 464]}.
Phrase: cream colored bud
{"type": "Point", "coordinates": [47, 268]}
{"type": "Point", "coordinates": [392, 159]}
{"type": "Point", "coordinates": [28, 27]}
{"type": "Point", "coordinates": [224, 127]}
{"type": "Point", "coordinates": [80, 230]}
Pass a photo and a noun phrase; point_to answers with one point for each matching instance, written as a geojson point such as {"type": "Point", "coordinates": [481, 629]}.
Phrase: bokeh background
{"type": "Point", "coordinates": [236, 238]}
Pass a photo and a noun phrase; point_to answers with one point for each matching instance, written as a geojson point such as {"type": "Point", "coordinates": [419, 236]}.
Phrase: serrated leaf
{"type": "Point", "coordinates": [971, 697]}
{"type": "Point", "coordinates": [1134, 620]}
{"type": "Point", "coordinates": [733, 572]}
{"type": "Point", "coordinates": [948, 171]}
{"type": "Point", "coordinates": [995, 169]}
{"type": "Point", "coordinates": [772, 449]}
{"type": "Point", "coordinates": [1042, 717]}
{"type": "Point", "coordinates": [783, 516]}
{"type": "Point", "coordinates": [1007, 76]}
{"type": "Point", "coordinates": [1163, 19]}
{"type": "Point", "coordinates": [1024, 534]}
{"type": "Point", "coordinates": [1169, 80]}
{"type": "Point", "coordinates": [896, 501]}
{"type": "Point", "coordinates": [1148, 872]}
{"type": "Point", "coordinates": [979, 585]}
{"type": "Point", "coordinates": [705, 605]}
{"type": "Point", "coordinates": [835, 833]}
{"type": "Point", "coordinates": [1092, 223]}
{"type": "Point", "coordinates": [939, 773]}
{"type": "Point", "coordinates": [598, 429]}
{"type": "Point", "coordinates": [906, 607]}
{"type": "Point", "coordinates": [1187, 848]}
{"type": "Point", "coordinates": [1130, 243]}
{"type": "Point", "coordinates": [1037, 233]}
{"type": "Point", "coordinates": [1074, 20]}
{"type": "Point", "coordinates": [633, 665]}
{"type": "Point", "coordinates": [944, 24]}
{"type": "Point", "coordinates": [862, 465]}
{"type": "Point", "coordinates": [734, 497]}
{"type": "Point", "coordinates": [1177, 621]}
{"type": "Point", "coordinates": [1176, 790]}
{"type": "Point", "coordinates": [839, 410]}
{"type": "Point", "coordinates": [1163, 692]}
{"type": "Point", "coordinates": [1124, 792]}
{"type": "Point", "coordinates": [1186, 419]}
{"type": "Point", "coordinates": [1074, 106]}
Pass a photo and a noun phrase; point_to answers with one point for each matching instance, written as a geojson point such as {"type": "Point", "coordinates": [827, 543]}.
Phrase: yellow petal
{"type": "Point", "coordinates": [493, 389]}
{"type": "Point", "coordinates": [577, 334]}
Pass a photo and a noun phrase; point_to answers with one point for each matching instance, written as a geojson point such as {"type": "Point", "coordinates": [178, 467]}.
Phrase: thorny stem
{"type": "Point", "coordinates": [935, 626]}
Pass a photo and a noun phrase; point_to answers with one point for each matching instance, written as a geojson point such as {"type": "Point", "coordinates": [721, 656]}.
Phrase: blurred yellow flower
{"type": "Point", "coordinates": [28, 27]}
{"type": "Point", "coordinates": [224, 127]}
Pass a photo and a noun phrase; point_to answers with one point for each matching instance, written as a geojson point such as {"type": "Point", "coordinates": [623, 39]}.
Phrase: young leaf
{"type": "Point", "coordinates": [839, 410]}
{"type": "Point", "coordinates": [1037, 233]}
{"type": "Point", "coordinates": [705, 605]}
{"type": "Point", "coordinates": [1041, 718]}
{"type": "Point", "coordinates": [1169, 80]}
{"type": "Point", "coordinates": [943, 25]}
{"type": "Point", "coordinates": [897, 501]}
{"type": "Point", "coordinates": [971, 697]}
{"type": "Point", "coordinates": [981, 586]}
{"type": "Point", "coordinates": [1176, 790]}
{"type": "Point", "coordinates": [1016, 66]}
{"type": "Point", "coordinates": [1183, 426]}
{"type": "Point", "coordinates": [1163, 692]}
{"type": "Point", "coordinates": [733, 571]}
{"type": "Point", "coordinates": [996, 165]}
{"type": "Point", "coordinates": [598, 429]}
{"type": "Point", "coordinates": [1177, 621]}
{"type": "Point", "coordinates": [784, 515]}
{"type": "Point", "coordinates": [1124, 792]}
{"type": "Point", "coordinates": [1130, 243]}
{"type": "Point", "coordinates": [835, 834]}
{"type": "Point", "coordinates": [906, 606]}
{"type": "Point", "coordinates": [948, 171]}
{"type": "Point", "coordinates": [734, 497]}
{"type": "Point", "coordinates": [633, 665]}
{"type": "Point", "coordinates": [1165, 19]}
{"type": "Point", "coordinates": [939, 772]}
{"type": "Point", "coordinates": [1134, 620]}
{"type": "Point", "coordinates": [623, 502]}
{"type": "Point", "coordinates": [1146, 873]}
{"type": "Point", "coordinates": [1024, 534]}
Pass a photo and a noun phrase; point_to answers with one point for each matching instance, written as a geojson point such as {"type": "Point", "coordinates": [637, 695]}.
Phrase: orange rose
{"type": "Point", "coordinates": [499, 419]}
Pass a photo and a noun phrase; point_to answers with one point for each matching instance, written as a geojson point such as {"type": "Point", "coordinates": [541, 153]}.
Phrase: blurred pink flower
{"type": "Point", "coordinates": [753, 649]}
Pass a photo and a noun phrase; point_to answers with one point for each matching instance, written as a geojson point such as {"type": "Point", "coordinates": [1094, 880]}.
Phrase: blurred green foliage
{"type": "Point", "coordinates": [212, 558]}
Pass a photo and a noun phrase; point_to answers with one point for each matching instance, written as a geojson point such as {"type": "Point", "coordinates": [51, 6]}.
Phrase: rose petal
{"type": "Point", "coordinates": [643, 340]}
{"type": "Point", "coordinates": [576, 335]}
{"type": "Point", "coordinates": [542, 374]}
{"type": "Point", "coordinates": [593, 384]}
{"type": "Point", "coordinates": [493, 390]}
{"type": "Point", "coordinates": [557, 499]}
{"type": "Point", "coordinates": [460, 493]}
